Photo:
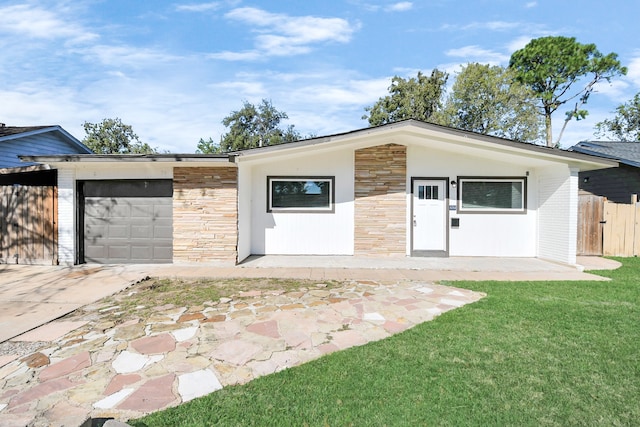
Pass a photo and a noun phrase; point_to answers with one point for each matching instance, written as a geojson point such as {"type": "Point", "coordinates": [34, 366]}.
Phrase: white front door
{"type": "Point", "coordinates": [429, 215]}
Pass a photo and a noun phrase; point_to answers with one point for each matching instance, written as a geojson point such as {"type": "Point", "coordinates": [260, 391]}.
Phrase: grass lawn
{"type": "Point", "coordinates": [530, 353]}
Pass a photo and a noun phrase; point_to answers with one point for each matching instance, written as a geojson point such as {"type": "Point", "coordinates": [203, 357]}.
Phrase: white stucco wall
{"type": "Point", "coordinates": [479, 234]}
{"type": "Point", "coordinates": [66, 216]}
{"type": "Point", "coordinates": [141, 170]}
{"type": "Point", "coordinates": [558, 213]}
{"type": "Point", "coordinates": [303, 233]}
{"type": "Point", "coordinates": [245, 197]}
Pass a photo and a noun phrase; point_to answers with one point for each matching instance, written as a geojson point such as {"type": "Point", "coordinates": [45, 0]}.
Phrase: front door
{"type": "Point", "coordinates": [429, 216]}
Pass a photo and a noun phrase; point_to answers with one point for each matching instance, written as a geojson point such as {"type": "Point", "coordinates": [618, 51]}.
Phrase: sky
{"type": "Point", "coordinates": [174, 69]}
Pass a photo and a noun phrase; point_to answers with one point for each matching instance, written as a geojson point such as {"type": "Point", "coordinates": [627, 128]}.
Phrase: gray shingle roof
{"type": "Point", "coordinates": [15, 130]}
{"type": "Point", "coordinates": [625, 152]}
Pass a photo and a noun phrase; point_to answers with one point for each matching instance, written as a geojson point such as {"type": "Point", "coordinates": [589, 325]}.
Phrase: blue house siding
{"type": "Point", "coordinates": [44, 141]}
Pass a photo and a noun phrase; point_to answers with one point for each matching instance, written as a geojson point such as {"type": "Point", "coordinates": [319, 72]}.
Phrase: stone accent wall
{"type": "Point", "coordinates": [205, 214]}
{"type": "Point", "coordinates": [380, 201]}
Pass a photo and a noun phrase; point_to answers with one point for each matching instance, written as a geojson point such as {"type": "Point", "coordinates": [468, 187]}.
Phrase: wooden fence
{"type": "Point", "coordinates": [608, 228]}
{"type": "Point", "coordinates": [28, 224]}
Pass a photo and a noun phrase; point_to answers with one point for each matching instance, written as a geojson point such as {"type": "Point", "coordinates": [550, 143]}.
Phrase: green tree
{"type": "Point", "coordinates": [111, 136]}
{"type": "Point", "coordinates": [252, 127]}
{"type": "Point", "coordinates": [625, 125]}
{"type": "Point", "coordinates": [554, 67]}
{"type": "Point", "coordinates": [486, 99]}
{"type": "Point", "coordinates": [208, 147]}
{"type": "Point", "coordinates": [414, 98]}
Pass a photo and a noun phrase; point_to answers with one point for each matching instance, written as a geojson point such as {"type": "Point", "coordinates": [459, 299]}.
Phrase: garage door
{"type": "Point", "coordinates": [127, 221]}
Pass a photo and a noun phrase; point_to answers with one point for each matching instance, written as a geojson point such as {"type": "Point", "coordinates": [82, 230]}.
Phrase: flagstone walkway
{"type": "Point", "coordinates": [86, 366]}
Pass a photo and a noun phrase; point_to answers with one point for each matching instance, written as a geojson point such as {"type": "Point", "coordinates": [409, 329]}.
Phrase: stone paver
{"type": "Point", "coordinates": [50, 332]}
{"type": "Point", "coordinates": [181, 353]}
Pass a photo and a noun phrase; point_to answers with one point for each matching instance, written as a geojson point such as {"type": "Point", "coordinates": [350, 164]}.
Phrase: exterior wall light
{"type": "Point", "coordinates": [454, 184]}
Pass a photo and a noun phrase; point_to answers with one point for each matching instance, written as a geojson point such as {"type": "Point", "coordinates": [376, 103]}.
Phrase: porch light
{"type": "Point", "coordinates": [454, 184]}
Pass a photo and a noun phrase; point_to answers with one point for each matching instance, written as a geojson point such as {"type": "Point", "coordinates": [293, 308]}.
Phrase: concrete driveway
{"type": "Point", "coordinates": [31, 296]}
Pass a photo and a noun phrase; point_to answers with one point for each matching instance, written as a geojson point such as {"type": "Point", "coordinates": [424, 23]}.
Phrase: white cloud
{"type": "Point", "coordinates": [475, 53]}
{"type": "Point", "coordinates": [128, 56]}
{"type": "Point", "coordinates": [198, 7]}
{"type": "Point", "coordinates": [36, 23]}
{"type": "Point", "coordinates": [489, 25]}
{"type": "Point", "coordinates": [402, 6]}
{"type": "Point", "coordinates": [284, 35]}
{"type": "Point", "coordinates": [531, 4]}
{"type": "Point", "coordinates": [617, 90]}
{"type": "Point", "coordinates": [518, 43]}
{"type": "Point", "coordinates": [252, 91]}
{"type": "Point", "coordinates": [633, 72]}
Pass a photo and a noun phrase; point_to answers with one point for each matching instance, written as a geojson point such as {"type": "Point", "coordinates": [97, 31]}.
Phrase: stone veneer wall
{"type": "Point", "coordinates": [380, 200]}
{"type": "Point", "coordinates": [205, 214]}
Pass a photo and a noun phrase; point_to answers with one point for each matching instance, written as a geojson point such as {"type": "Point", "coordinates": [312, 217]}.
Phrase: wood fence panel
{"type": "Point", "coordinates": [619, 229]}
{"type": "Point", "coordinates": [590, 217]}
{"type": "Point", "coordinates": [636, 231]}
{"type": "Point", "coordinates": [28, 224]}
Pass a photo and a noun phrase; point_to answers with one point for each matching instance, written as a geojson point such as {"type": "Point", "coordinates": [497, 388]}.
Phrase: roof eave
{"type": "Point", "coordinates": [458, 134]}
{"type": "Point", "coordinates": [127, 158]}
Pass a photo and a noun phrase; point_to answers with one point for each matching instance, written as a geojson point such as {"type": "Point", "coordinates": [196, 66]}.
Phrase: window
{"type": "Point", "coordinates": [427, 192]}
{"type": "Point", "coordinates": [300, 194]}
{"type": "Point", "coordinates": [492, 195]}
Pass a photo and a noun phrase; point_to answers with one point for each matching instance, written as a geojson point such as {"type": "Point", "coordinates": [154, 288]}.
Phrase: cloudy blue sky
{"type": "Point", "coordinates": [175, 69]}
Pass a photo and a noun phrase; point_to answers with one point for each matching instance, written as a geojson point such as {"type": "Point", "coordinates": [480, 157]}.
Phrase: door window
{"type": "Point", "coordinates": [428, 192]}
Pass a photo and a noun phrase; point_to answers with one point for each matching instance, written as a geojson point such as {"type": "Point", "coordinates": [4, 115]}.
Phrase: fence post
{"type": "Point", "coordinates": [636, 231]}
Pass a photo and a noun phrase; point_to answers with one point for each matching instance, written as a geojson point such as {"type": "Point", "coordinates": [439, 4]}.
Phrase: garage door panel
{"type": "Point", "coordinates": [142, 211]}
{"type": "Point", "coordinates": [141, 231]}
{"type": "Point", "coordinates": [123, 225]}
{"type": "Point", "coordinates": [163, 252]}
{"type": "Point", "coordinates": [162, 211]}
{"type": "Point", "coordinates": [162, 232]}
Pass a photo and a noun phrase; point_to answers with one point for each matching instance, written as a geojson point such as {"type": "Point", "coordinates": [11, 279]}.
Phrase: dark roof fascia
{"type": "Point", "coordinates": [44, 129]}
{"type": "Point", "coordinates": [432, 127]}
{"type": "Point", "coordinates": [581, 149]}
{"type": "Point", "coordinates": [129, 158]}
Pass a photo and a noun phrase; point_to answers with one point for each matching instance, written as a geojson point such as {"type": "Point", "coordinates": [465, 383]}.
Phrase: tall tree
{"type": "Point", "coordinates": [486, 99]}
{"type": "Point", "coordinates": [625, 125]}
{"type": "Point", "coordinates": [414, 98]}
{"type": "Point", "coordinates": [208, 147]}
{"type": "Point", "coordinates": [554, 67]}
{"type": "Point", "coordinates": [252, 127]}
{"type": "Point", "coordinates": [111, 136]}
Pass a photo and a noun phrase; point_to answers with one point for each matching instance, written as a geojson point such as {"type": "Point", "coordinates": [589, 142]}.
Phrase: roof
{"type": "Point", "coordinates": [417, 130]}
{"type": "Point", "coordinates": [421, 129]}
{"type": "Point", "coordinates": [129, 158]}
{"type": "Point", "coordinates": [16, 130]}
{"type": "Point", "coordinates": [8, 133]}
{"type": "Point", "coordinates": [627, 153]}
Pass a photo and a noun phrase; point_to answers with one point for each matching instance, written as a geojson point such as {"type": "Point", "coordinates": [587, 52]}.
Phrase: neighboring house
{"type": "Point", "coordinates": [616, 184]}
{"type": "Point", "coordinates": [402, 189]}
{"type": "Point", "coordinates": [35, 141]}
{"type": "Point", "coordinates": [28, 201]}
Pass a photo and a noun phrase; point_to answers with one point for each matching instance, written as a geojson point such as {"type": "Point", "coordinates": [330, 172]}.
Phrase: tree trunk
{"type": "Point", "coordinates": [547, 124]}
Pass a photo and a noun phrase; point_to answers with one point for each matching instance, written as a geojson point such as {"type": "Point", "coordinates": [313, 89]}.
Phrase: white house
{"type": "Point", "coordinates": [403, 189]}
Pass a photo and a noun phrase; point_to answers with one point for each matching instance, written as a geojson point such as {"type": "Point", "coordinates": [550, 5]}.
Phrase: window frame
{"type": "Point", "coordinates": [492, 210]}
{"type": "Point", "coordinates": [332, 188]}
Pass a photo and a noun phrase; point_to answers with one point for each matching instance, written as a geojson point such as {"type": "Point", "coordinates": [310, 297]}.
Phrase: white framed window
{"type": "Point", "coordinates": [492, 194]}
{"type": "Point", "coordinates": [300, 194]}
